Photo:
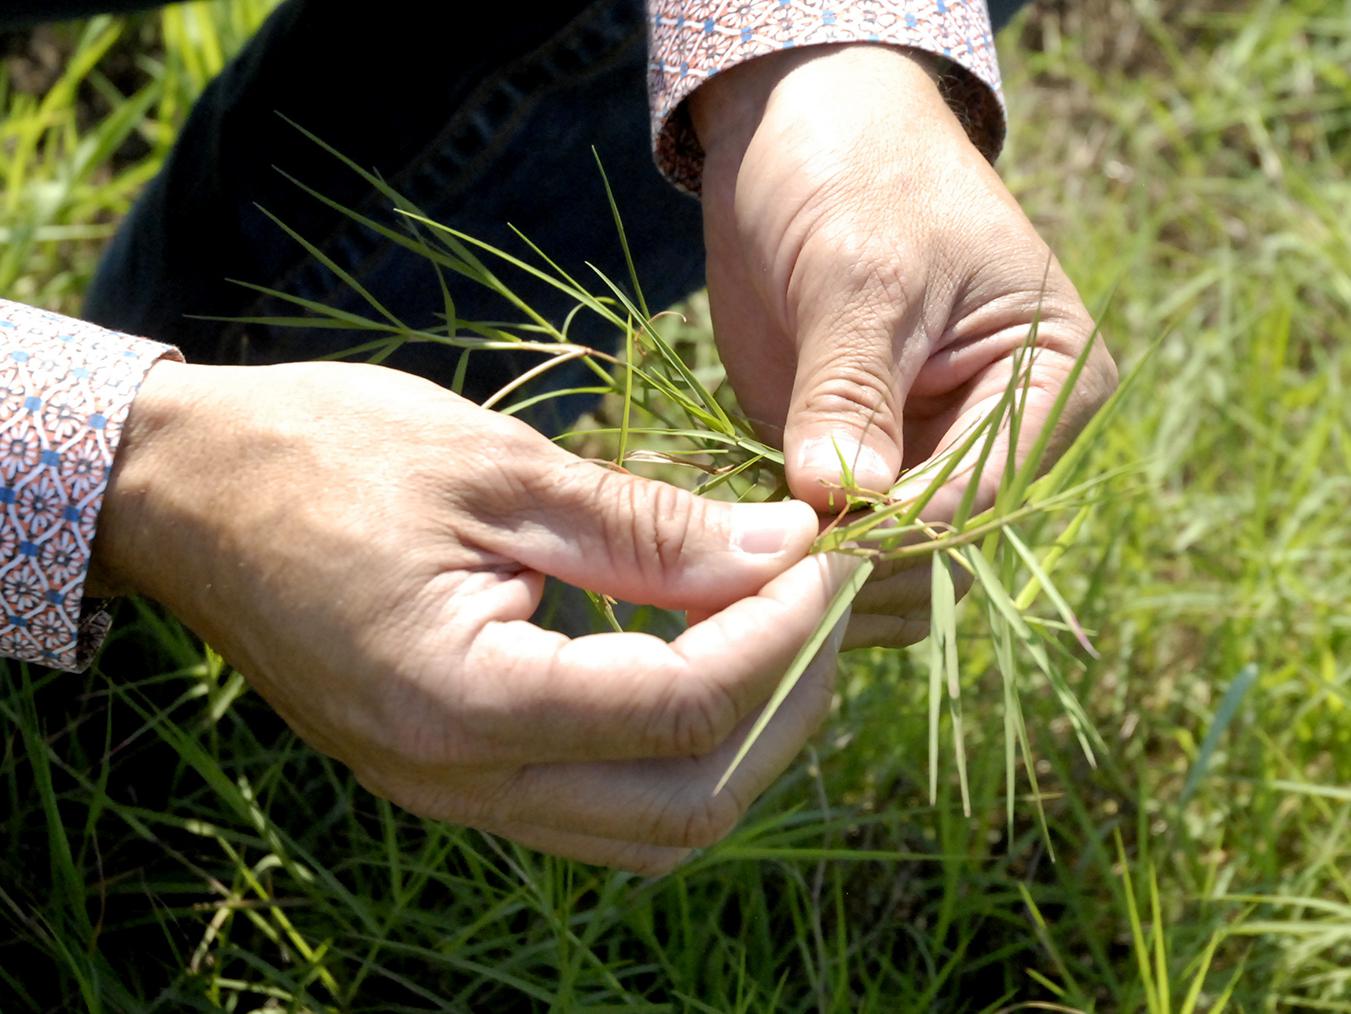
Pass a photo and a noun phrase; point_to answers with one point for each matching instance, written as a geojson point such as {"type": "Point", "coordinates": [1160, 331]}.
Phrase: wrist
{"type": "Point", "coordinates": [130, 542]}
{"type": "Point", "coordinates": [824, 80]}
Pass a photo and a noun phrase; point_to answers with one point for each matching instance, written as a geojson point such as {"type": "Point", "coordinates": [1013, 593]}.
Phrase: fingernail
{"type": "Point", "coordinates": [824, 454]}
{"type": "Point", "coordinates": [763, 528]}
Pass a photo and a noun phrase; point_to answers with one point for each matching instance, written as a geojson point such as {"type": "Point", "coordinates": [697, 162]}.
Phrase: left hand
{"type": "Point", "coordinates": [871, 280]}
{"type": "Point", "coordinates": [367, 548]}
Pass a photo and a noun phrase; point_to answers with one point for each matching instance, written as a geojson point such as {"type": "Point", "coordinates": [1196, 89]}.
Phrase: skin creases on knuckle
{"type": "Point", "coordinates": [884, 569]}
{"type": "Point", "coordinates": [420, 730]}
{"type": "Point", "coordinates": [698, 714]}
{"type": "Point", "coordinates": [710, 822]}
{"type": "Point", "coordinates": [905, 631]}
{"type": "Point", "coordinates": [843, 387]}
{"type": "Point", "coordinates": [374, 781]}
{"type": "Point", "coordinates": [661, 521]}
{"type": "Point", "coordinates": [698, 819]}
{"type": "Point", "coordinates": [894, 591]}
{"type": "Point", "coordinates": [502, 473]}
{"type": "Point", "coordinates": [442, 749]}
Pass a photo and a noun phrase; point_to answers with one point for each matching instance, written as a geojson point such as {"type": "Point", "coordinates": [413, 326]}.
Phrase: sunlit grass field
{"type": "Point", "coordinates": [167, 845]}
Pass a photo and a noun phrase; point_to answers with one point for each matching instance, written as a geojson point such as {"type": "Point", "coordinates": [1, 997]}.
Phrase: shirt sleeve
{"type": "Point", "coordinates": [65, 390]}
{"type": "Point", "coordinates": [691, 40]}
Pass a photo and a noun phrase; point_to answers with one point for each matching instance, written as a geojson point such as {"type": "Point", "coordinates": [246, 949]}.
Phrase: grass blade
{"type": "Point", "coordinates": [1044, 582]}
{"type": "Point", "coordinates": [839, 605]}
{"type": "Point", "coordinates": [1138, 944]}
{"type": "Point", "coordinates": [623, 238]}
{"type": "Point", "coordinates": [1224, 715]}
{"type": "Point", "coordinates": [944, 672]}
{"type": "Point", "coordinates": [999, 598]}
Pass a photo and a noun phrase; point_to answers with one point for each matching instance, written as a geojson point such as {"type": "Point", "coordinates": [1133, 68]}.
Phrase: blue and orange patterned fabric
{"type": "Point", "coordinates": [690, 42]}
{"type": "Point", "coordinates": [65, 390]}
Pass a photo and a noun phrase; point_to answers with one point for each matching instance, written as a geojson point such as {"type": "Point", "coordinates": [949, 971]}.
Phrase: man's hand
{"type": "Point", "coordinates": [368, 548]}
{"type": "Point", "coordinates": [871, 280]}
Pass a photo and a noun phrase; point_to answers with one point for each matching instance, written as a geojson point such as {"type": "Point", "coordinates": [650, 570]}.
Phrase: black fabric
{"type": "Point", "coordinates": [377, 88]}
{"type": "Point", "coordinates": [1002, 11]}
{"type": "Point", "coordinates": [479, 120]}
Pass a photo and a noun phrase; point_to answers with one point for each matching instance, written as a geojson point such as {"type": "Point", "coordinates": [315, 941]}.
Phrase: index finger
{"type": "Point", "coordinates": [533, 696]}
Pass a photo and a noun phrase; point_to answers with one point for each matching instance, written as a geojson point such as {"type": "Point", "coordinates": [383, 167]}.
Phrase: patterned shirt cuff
{"type": "Point", "coordinates": [691, 40]}
{"type": "Point", "coordinates": [65, 390]}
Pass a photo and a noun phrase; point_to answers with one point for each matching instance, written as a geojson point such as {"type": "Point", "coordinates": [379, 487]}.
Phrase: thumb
{"type": "Point", "coordinates": [844, 424]}
{"type": "Point", "coordinates": [652, 543]}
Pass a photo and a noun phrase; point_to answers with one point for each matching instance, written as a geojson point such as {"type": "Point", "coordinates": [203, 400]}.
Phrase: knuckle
{"type": "Point", "coordinates": [418, 730]}
{"type": "Point", "coordinates": [662, 519]}
{"type": "Point", "coordinates": [428, 747]}
{"type": "Point", "coordinates": [848, 386]}
{"type": "Point", "coordinates": [430, 727]}
{"type": "Point", "coordinates": [504, 471]}
{"type": "Point", "coordinates": [911, 632]}
{"type": "Point", "coordinates": [699, 821]}
{"type": "Point", "coordinates": [374, 782]}
{"type": "Point", "coordinates": [708, 824]}
{"type": "Point", "coordinates": [1004, 240]}
{"type": "Point", "coordinates": [647, 524]}
{"type": "Point", "coordinates": [698, 717]}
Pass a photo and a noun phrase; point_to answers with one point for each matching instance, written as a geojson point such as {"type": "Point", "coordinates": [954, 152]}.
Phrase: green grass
{"type": "Point", "coordinates": [167, 845]}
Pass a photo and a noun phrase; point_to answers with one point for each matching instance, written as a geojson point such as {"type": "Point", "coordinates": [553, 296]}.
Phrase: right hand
{"type": "Point", "coordinates": [367, 549]}
{"type": "Point", "coordinates": [873, 286]}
